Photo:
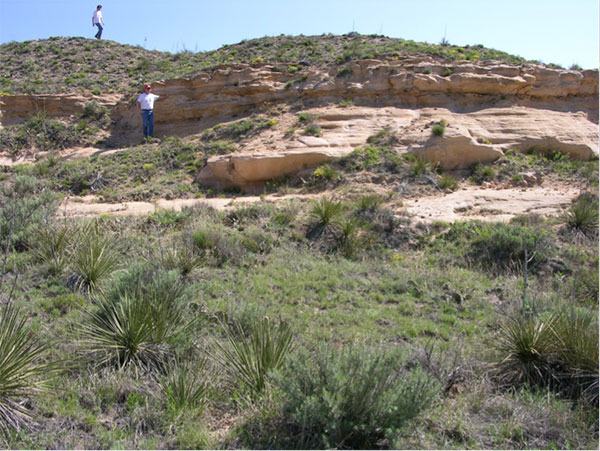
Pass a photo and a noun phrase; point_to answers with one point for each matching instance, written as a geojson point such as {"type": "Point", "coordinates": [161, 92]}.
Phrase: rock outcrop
{"type": "Point", "coordinates": [189, 105]}
{"type": "Point", "coordinates": [15, 109]}
{"type": "Point", "coordinates": [477, 137]}
{"type": "Point", "coordinates": [489, 107]}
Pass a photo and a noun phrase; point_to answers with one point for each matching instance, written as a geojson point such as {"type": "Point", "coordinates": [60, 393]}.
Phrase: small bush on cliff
{"type": "Point", "coordinates": [482, 173]}
{"type": "Point", "coordinates": [438, 130]}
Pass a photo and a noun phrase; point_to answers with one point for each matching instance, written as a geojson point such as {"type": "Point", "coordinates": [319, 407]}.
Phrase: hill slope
{"type": "Point", "coordinates": [433, 262]}
{"type": "Point", "coordinates": [65, 65]}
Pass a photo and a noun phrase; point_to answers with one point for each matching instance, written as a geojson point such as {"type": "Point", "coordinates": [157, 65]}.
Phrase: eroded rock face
{"type": "Point", "coordinates": [15, 109]}
{"type": "Point", "coordinates": [478, 137]}
{"type": "Point", "coordinates": [489, 108]}
{"type": "Point", "coordinates": [187, 106]}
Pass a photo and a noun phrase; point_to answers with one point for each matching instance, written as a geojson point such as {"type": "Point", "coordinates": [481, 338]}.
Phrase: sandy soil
{"type": "Point", "coordinates": [467, 203]}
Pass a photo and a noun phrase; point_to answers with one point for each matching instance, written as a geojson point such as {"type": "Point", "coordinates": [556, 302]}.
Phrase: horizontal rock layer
{"type": "Point", "coordinates": [489, 107]}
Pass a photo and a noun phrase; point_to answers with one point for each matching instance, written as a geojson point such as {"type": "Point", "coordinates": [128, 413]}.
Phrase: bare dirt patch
{"type": "Point", "coordinates": [464, 204]}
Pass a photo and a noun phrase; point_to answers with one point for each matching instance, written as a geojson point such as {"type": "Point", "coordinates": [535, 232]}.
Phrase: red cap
{"type": "Point", "coordinates": [147, 87]}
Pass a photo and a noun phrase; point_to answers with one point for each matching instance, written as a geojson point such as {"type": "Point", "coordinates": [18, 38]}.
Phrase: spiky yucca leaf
{"type": "Point", "coordinates": [251, 357]}
{"type": "Point", "coordinates": [22, 374]}
{"type": "Point", "coordinates": [186, 387]}
{"type": "Point", "coordinates": [583, 215]}
{"type": "Point", "coordinates": [95, 259]}
{"type": "Point", "coordinates": [326, 214]}
{"type": "Point", "coordinates": [127, 330]}
{"type": "Point", "coordinates": [576, 334]}
{"type": "Point", "coordinates": [526, 345]}
{"type": "Point", "coordinates": [52, 246]}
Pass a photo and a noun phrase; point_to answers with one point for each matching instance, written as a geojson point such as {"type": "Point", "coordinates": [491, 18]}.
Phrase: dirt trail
{"type": "Point", "coordinates": [467, 203]}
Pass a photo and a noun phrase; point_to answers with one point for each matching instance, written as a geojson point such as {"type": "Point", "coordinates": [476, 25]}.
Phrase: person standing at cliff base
{"type": "Point", "coordinates": [97, 21]}
{"type": "Point", "coordinates": [146, 101]}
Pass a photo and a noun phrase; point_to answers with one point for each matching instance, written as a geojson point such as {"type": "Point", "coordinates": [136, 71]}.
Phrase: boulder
{"type": "Point", "coordinates": [456, 150]}
{"type": "Point", "coordinates": [250, 171]}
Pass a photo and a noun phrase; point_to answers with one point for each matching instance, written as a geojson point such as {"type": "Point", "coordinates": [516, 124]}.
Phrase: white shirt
{"type": "Point", "coordinates": [147, 101]}
{"type": "Point", "coordinates": [97, 17]}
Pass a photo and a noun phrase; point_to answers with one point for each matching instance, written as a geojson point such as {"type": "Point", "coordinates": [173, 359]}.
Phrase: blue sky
{"type": "Point", "coordinates": [552, 31]}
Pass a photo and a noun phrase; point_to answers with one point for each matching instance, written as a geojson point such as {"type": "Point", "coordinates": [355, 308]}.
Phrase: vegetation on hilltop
{"type": "Point", "coordinates": [61, 64]}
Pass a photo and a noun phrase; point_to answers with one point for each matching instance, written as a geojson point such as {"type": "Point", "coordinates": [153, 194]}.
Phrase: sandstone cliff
{"type": "Point", "coordinates": [489, 108]}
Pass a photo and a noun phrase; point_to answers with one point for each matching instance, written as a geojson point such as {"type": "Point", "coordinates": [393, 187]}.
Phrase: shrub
{"type": "Point", "coordinates": [22, 372]}
{"type": "Point", "coordinates": [23, 207]}
{"type": "Point", "coordinates": [326, 172]}
{"type": "Point", "coordinates": [438, 130]}
{"type": "Point", "coordinates": [482, 173]}
{"type": "Point", "coordinates": [167, 218]}
{"type": "Point", "coordinates": [351, 398]}
{"type": "Point", "coordinates": [142, 280]}
{"type": "Point", "coordinates": [446, 181]}
{"type": "Point", "coordinates": [246, 214]}
{"type": "Point", "coordinates": [219, 246]}
{"type": "Point", "coordinates": [362, 158]}
{"type": "Point", "coordinates": [383, 138]}
{"type": "Point", "coordinates": [312, 129]}
{"type": "Point", "coordinates": [251, 357]}
{"type": "Point", "coordinates": [504, 246]}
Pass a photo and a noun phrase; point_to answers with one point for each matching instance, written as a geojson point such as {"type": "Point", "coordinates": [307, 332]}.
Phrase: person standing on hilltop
{"type": "Point", "coordinates": [146, 101]}
{"type": "Point", "coordinates": [97, 21]}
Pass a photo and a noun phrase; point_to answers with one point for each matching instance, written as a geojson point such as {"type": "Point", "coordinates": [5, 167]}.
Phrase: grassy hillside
{"type": "Point", "coordinates": [63, 64]}
{"type": "Point", "coordinates": [331, 322]}
{"type": "Point", "coordinates": [305, 324]}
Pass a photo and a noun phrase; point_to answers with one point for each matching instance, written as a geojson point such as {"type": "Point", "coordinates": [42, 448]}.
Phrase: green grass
{"type": "Point", "coordinates": [142, 351]}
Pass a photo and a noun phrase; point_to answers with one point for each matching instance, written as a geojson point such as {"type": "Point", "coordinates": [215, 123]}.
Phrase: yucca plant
{"type": "Point", "coordinates": [181, 258]}
{"type": "Point", "coordinates": [576, 335]}
{"type": "Point", "coordinates": [350, 240]}
{"type": "Point", "coordinates": [186, 387]}
{"type": "Point", "coordinates": [583, 215]}
{"type": "Point", "coordinates": [94, 259]}
{"type": "Point", "coordinates": [52, 246]}
{"type": "Point", "coordinates": [22, 373]}
{"type": "Point", "coordinates": [446, 181]}
{"type": "Point", "coordinates": [526, 345]}
{"type": "Point", "coordinates": [325, 214]}
{"type": "Point", "coordinates": [421, 166]}
{"type": "Point", "coordinates": [368, 203]}
{"type": "Point", "coordinates": [130, 330]}
{"type": "Point", "coordinates": [251, 356]}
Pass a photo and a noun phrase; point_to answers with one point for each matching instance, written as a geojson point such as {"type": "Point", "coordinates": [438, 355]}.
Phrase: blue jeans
{"type": "Point", "coordinates": [100, 28]}
{"type": "Point", "coordinates": [147, 123]}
